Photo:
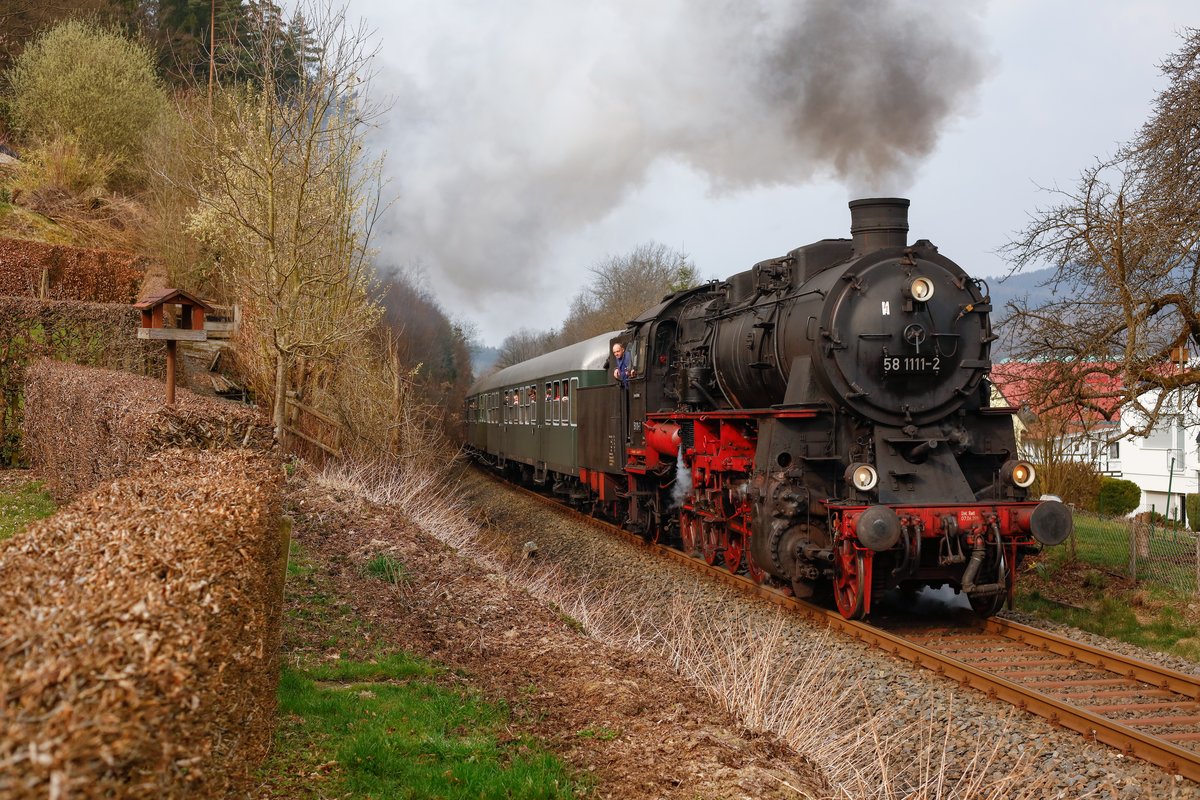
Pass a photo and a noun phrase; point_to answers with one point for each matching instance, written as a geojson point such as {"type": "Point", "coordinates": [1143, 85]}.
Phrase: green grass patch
{"type": "Point", "coordinates": [395, 732]}
{"type": "Point", "coordinates": [297, 565]}
{"type": "Point", "coordinates": [1154, 624]}
{"type": "Point", "coordinates": [600, 734]}
{"type": "Point", "coordinates": [22, 505]}
{"type": "Point", "coordinates": [360, 721]}
{"type": "Point", "coordinates": [387, 569]}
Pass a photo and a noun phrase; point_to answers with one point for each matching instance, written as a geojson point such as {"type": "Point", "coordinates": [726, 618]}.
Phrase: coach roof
{"type": "Point", "coordinates": [585, 355]}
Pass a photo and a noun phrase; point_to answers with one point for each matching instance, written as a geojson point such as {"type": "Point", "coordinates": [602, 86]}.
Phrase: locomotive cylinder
{"type": "Point", "coordinates": [664, 437]}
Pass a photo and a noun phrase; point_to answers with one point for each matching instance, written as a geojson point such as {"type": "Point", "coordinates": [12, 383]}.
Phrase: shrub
{"type": "Point", "coordinates": [1076, 482]}
{"type": "Point", "coordinates": [1118, 497]}
{"type": "Point", "coordinates": [60, 164]}
{"type": "Point", "coordinates": [92, 83]}
{"type": "Point", "coordinates": [1192, 506]}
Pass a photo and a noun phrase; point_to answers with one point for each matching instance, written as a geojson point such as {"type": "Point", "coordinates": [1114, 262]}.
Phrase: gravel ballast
{"type": "Point", "coordinates": [904, 700]}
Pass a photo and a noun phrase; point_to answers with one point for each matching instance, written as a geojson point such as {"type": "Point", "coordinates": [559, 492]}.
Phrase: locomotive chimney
{"type": "Point", "coordinates": [877, 223]}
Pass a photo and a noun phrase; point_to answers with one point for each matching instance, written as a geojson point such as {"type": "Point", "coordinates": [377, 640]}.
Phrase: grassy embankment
{"type": "Point", "coordinates": [387, 724]}
{"type": "Point", "coordinates": [1090, 589]}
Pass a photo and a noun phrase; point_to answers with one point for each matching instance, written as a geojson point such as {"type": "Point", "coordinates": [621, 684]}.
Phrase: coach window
{"type": "Point", "coordinates": [567, 406]}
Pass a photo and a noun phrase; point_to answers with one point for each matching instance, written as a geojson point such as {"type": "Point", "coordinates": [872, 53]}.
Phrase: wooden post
{"type": "Point", "coordinates": [171, 343]}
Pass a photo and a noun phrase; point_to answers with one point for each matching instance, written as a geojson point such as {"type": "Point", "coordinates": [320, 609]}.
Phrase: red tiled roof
{"type": "Point", "coordinates": [1088, 392]}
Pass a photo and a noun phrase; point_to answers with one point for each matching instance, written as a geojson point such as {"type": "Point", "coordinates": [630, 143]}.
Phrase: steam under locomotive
{"type": "Point", "coordinates": [822, 421]}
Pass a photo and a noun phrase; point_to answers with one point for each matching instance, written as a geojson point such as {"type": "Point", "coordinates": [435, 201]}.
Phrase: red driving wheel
{"type": "Point", "coordinates": [687, 532]}
{"type": "Point", "coordinates": [753, 570]}
{"type": "Point", "coordinates": [849, 587]}
{"type": "Point", "coordinates": [710, 545]}
{"type": "Point", "coordinates": [733, 553]}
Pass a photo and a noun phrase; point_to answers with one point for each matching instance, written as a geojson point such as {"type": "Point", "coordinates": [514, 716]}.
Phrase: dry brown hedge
{"type": "Point", "coordinates": [139, 633]}
{"type": "Point", "coordinates": [100, 334]}
{"type": "Point", "coordinates": [70, 273]}
{"type": "Point", "coordinates": [84, 425]}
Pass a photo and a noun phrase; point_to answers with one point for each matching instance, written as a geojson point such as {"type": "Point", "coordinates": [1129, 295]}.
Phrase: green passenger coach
{"type": "Point", "coordinates": [528, 414]}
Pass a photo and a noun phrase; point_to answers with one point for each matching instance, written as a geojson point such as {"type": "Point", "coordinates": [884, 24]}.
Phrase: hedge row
{"type": "Point", "coordinates": [84, 425]}
{"type": "Point", "coordinates": [69, 273]}
{"type": "Point", "coordinates": [139, 633]}
{"type": "Point", "coordinates": [101, 334]}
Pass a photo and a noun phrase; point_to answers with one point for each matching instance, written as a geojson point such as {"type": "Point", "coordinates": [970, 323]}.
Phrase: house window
{"type": "Point", "coordinates": [1160, 437]}
{"type": "Point", "coordinates": [1114, 451]}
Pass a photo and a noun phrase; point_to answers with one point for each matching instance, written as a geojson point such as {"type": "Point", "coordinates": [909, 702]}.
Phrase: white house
{"type": "Point", "coordinates": [1165, 464]}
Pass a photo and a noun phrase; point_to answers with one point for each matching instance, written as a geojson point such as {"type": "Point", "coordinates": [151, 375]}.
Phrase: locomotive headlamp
{"type": "Point", "coordinates": [1019, 473]}
{"type": "Point", "coordinates": [862, 477]}
{"type": "Point", "coordinates": [921, 289]}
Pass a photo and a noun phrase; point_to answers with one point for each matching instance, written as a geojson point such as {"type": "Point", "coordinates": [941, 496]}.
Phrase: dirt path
{"type": "Point", "coordinates": [626, 720]}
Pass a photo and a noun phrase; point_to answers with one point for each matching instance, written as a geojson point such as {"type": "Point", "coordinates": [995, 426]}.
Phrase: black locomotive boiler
{"type": "Point", "coordinates": [822, 420]}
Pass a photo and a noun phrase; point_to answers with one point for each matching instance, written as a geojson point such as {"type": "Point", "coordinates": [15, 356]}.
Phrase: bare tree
{"type": "Point", "coordinates": [524, 345]}
{"type": "Point", "coordinates": [287, 203]}
{"type": "Point", "coordinates": [624, 286]}
{"type": "Point", "coordinates": [1124, 245]}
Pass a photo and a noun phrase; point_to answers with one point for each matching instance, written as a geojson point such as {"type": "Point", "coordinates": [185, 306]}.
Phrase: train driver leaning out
{"type": "Point", "coordinates": [624, 366]}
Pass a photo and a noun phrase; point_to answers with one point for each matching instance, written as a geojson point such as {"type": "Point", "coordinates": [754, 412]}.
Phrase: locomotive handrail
{"type": "Point", "coordinates": [734, 413]}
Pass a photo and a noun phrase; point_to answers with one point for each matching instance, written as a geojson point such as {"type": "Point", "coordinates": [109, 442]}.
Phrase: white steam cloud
{"type": "Point", "coordinates": [516, 123]}
{"type": "Point", "coordinates": [683, 481]}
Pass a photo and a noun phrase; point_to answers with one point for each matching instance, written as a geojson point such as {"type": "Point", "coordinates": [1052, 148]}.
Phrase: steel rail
{"type": "Point", "coordinates": [1131, 742]}
{"type": "Point", "coordinates": [1125, 666]}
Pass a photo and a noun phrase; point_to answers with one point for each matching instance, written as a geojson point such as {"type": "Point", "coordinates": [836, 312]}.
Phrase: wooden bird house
{"type": "Point", "coordinates": [172, 315]}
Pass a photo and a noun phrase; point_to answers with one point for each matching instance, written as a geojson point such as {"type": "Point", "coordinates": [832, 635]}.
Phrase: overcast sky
{"type": "Point", "coordinates": [527, 140]}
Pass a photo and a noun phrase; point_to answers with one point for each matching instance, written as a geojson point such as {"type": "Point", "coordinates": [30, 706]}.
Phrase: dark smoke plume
{"type": "Point", "coordinates": [515, 123]}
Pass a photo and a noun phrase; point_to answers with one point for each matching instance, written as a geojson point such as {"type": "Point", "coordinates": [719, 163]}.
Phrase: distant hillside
{"type": "Point", "coordinates": [1024, 285]}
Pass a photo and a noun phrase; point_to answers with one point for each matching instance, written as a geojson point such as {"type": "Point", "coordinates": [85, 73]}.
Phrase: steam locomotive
{"type": "Point", "coordinates": [822, 421]}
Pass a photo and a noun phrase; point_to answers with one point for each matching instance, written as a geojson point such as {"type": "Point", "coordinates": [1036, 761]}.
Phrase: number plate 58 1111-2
{"type": "Point", "coordinates": [908, 365]}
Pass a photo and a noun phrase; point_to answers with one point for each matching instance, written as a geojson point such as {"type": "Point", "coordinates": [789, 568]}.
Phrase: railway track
{"type": "Point", "coordinates": [1141, 709]}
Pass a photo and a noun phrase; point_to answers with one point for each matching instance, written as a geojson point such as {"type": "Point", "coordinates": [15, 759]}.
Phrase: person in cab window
{"type": "Point", "coordinates": [623, 366]}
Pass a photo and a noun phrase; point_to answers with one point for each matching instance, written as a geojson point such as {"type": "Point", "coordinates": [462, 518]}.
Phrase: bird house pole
{"type": "Point", "coordinates": [171, 347]}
